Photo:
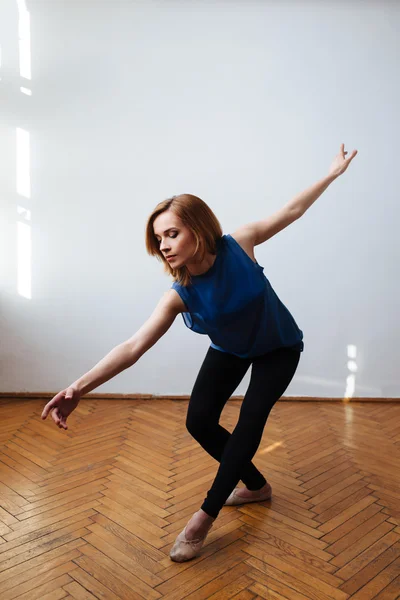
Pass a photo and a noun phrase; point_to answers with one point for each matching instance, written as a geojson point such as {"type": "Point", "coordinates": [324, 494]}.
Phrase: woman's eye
{"type": "Point", "coordinates": [173, 235]}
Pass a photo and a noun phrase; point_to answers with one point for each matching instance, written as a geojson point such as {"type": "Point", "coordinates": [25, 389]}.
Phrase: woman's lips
{"type": "Point", "coordinates": [171, 257]}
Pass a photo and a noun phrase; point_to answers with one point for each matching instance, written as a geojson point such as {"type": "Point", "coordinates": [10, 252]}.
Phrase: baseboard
{"type": "Point", "coordinates": [49, 395]}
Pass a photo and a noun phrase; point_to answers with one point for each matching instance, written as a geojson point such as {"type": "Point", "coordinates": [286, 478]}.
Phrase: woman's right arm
{"type": "Point", "coordinates": [128, 353]}
{"type": "Point", "coordinates": [120, 358]}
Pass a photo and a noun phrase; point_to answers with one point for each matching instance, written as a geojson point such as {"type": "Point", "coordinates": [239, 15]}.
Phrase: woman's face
{"type": "Point", "coordinates": [175, 239]}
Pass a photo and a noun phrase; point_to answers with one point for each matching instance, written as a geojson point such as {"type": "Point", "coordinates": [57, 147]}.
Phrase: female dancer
{"type": "Point", "coordinates": [221, 291]}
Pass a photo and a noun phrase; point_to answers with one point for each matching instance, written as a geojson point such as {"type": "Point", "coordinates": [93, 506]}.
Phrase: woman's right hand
{"type": "Point", "coordinates": [62, 405]}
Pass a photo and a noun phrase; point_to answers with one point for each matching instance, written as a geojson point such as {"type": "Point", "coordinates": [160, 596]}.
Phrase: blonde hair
{"type": "Point", "coordinates": [198, 217]}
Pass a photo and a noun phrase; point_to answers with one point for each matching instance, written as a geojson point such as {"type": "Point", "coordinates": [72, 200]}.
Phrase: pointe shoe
{"type": "Point", "coordinates": [184, 549]}
{"type": "Point", "coordinates": [234, 499]}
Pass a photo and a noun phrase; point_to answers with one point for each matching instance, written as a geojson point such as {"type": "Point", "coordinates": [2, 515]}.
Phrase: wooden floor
{"type": "Point", "coordinates": [92, 512]}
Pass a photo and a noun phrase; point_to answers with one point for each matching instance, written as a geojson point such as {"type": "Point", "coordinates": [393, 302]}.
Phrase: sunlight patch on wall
{"type": "Point", "coordinates": [23, 179]}
{"type": "Point", "coordinates": [24, 40]}
{"type": "Point", "coordinates": [24, 242]}
{"type": "Point", "coordinates": [352, 367]}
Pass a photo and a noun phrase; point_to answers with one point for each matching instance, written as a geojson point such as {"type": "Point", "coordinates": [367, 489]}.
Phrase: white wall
{"type": "Point", "coordinates": [244, 104]}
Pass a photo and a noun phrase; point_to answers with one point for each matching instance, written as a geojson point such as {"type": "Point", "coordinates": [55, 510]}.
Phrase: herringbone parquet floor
{"type": "Point", "coordinates": [92, 512]}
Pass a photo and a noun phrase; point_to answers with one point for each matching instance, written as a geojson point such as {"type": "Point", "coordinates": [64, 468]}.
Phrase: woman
{"type": "Point", "coordinates": [221, 291]}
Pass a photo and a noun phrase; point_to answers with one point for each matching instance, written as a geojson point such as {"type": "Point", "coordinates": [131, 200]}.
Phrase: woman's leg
{"type": "Point", "coordinates": [270, 376]}
{"type": "Point", "coordinates": [219, 376]}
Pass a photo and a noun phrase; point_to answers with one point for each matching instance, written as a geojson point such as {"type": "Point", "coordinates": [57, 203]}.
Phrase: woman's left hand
{"type": "Point", "coordinates": [340, 162]}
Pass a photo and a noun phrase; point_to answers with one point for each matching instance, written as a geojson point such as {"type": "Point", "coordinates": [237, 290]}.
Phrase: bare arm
{"type": "Point", "coordinates": [128, 353]}
{"type": "Point", "coordinates": [258, 232]}
{"type": "Point", "coordinates": [304, 200]}
{"type": "Point", "coordinates": [121, 357]}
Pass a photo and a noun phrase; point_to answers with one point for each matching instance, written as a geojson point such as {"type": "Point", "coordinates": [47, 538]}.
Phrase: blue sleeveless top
{"type": "Point", "coordinates": [234, 304]}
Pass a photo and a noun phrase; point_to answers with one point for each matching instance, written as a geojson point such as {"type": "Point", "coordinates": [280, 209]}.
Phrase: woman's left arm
{"type": "Point", "coordinates": [258, 232]}
{"type": "Point", "coordinates": [304, 200]}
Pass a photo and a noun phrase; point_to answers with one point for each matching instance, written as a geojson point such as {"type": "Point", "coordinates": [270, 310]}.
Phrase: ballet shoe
{"type": "Point", "coordinates": [184, 549]}
{"type": "Point", "coordinates": [235, 500]}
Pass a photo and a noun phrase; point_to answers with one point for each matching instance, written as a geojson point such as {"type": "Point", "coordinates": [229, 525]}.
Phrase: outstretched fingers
{"type": "Point", "coordinates": [350, 158]}
{"type": "Point", "coordinates": [49, 406]}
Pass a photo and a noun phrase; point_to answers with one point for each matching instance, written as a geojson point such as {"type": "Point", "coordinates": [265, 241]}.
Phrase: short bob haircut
{"type": "Point", "coordinates": [199, 218]}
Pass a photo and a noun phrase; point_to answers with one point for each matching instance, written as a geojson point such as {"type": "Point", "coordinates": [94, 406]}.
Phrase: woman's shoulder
{"type": "Point", "coordinates": [174, 298]}
{"type": "Point", "coordinates": [244, 241]}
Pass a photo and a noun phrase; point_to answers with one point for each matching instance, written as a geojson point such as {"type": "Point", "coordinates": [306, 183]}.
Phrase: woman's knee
{"type": "Point", "coordinates": [198, 422]}
{"type": "Point", "coordinates": [255, 413]}
{"type": "Point", "coordinates": [195, 423]}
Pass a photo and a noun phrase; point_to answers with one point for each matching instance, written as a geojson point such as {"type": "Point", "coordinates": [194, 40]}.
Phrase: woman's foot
{"type": "Point", "coordinates": [198, 525]}
{"type": "Point", "coordinates": [190, 541]}
{"type": "Point", "coordinates": [243, 495]}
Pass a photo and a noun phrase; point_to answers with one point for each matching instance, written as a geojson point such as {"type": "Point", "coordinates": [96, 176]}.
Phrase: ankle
{"type": "Point", "coordinates": [264, 487]}
{"type": "Point", "coordinates": [204, 518]}
{"type": "Point", "coordinates": [199, 524]}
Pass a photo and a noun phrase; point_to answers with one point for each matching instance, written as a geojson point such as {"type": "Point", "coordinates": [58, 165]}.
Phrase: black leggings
{"type": "Point", "coordinates": [219, 376]}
